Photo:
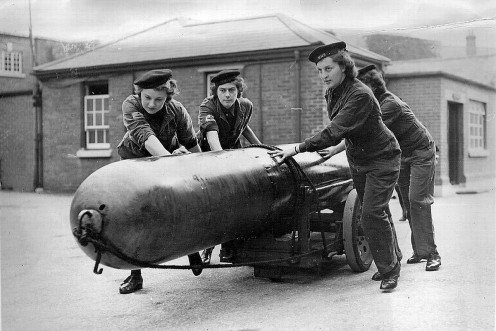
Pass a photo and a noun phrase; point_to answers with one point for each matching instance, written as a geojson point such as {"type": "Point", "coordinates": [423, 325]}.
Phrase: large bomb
{"type": "Point", "coordinates": [157, 209]}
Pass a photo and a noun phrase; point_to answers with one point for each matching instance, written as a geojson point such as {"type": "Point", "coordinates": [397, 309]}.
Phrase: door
{"type": "Point", "coordinates": [455, 143]}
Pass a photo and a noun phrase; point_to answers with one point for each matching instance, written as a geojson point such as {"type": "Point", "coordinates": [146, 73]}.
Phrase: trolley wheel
{"type": "Point", "coordinates": [356, 247]}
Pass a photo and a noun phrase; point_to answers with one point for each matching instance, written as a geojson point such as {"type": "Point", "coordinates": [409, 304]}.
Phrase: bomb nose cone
{"type": "Point", "coordinates": [90, 225]}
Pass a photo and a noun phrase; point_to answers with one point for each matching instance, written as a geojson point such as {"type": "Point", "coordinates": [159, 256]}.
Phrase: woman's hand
{"type": "Point", "coordinates": [181, 150]}
{"type": "Point", "coordinates": [331, 151]}
{"type": "Point", "coordinates": [282, 154]}
{"type": "Point", "coordinates": [325, 153]}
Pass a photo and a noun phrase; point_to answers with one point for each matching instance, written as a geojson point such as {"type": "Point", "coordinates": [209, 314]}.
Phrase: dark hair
{"type": "Point", "coordinates": [343, 58]}
{"type": "Point", "coordinates": [170, 87]}
{"type": "Point", "coordinates": [239, 82]}
{"type": "Point", "coordinates": [374, 79]}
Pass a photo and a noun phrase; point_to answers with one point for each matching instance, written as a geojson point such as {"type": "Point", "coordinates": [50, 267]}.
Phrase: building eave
{"type": "Point", "coordinates": [439, 74]}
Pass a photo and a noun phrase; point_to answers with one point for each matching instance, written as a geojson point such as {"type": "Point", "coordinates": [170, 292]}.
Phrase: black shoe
{"type": "Point", "coordinates": [195, 259]}
{"type": "Point", "coordinates": [390, 279]}
{"type": "Point", "coordinates": [415, 259]}
{"type": "Point", "coordinates": [131, 284]}
{"type": "Point", "coordinates": [206, 255]}
{"type": "Point", "coordinates": [433, 262]}
{"type": "Point", "coordinates": [377, 276]}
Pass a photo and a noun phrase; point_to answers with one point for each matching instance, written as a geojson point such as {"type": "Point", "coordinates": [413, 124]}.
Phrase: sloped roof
{"type": "Point", "coordinates": [476, 69]}
{"type": "Point", "coordinates": [174, 40]}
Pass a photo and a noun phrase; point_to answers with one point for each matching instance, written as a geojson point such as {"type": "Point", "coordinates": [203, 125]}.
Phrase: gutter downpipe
{"type": "Point", "coordinates": [260, 81]}
{"type": "Point", "coordinates": [37, 104]}
{"type": "Point", "coordinates": [298, 95]}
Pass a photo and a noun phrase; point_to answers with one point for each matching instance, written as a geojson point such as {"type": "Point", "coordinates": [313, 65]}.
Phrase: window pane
{"type": "Point", "coordinates": [100, 136]}
{"type": "Point", "coordinates": [98, 104]}
{"type": "Point", "coordinates": [89, 104]}
{"type": "Point", "coordinates": [98, 118]}
{"type": "Point", "coordinates": [106, 104]}
{"type": "Point", "coordinates": [89, 119]}
{"type": "Point", "coordinates": [91, 136]}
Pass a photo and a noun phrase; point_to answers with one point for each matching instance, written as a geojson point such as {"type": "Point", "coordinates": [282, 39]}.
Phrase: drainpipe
{"type": "Point", "coordinates": [260, 81]}
{"type": "Point", "coordinates": [297, 95]}
{"type": "Point", "coordinates": [37, 104]}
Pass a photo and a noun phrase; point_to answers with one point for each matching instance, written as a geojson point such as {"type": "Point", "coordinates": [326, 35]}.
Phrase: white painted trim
{"type": "Point", "coordinates": [222, 67]}
{"type": "Point", "coordinates": [93, 153]}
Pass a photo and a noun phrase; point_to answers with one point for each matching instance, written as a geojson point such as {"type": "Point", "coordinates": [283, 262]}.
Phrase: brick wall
{"type": "Point", "coordinates": [428, 98]}
{"type": "Point", "coordinates": [17, 134]}
{"type": "Point", "coordinates": [47, 50]}
{"type": "Point", "coordinates": [271, 88]}
{"type": "Point", "coordinates": [479, 170]}
{"type": "Point", "coordinates": [423, 95]}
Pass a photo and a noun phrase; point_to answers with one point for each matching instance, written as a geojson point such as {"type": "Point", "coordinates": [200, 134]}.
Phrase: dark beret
{"type": "Point", "coordinates": [153, 78]}
{"type": "Point", "coordinates": [366, 69]}
{"type": "Point", "coordinates": [225, 76]}
{"type": "Point", "coordinates": [323, 51]}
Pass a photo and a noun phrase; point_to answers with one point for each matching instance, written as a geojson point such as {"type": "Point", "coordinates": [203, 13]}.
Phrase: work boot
{"type": "Point", "coordinates": [195, 259]}
{"type": "Point", "coordinates": [131, 284]}
{"type": "Point", "coordinates": [206, 255]}
{"type": "Point", "coordinates": [415, 259]}
{"type": "Point", "coordinates": [377, 276]}
{"type": "Point", "coordinates": [390, 279]}
{"type": "Point", "coordinates": [433, 262]}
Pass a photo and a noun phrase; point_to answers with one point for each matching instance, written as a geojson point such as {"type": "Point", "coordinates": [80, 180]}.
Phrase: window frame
{"type": "Point", "coordinates": [208, 76]}
{"type": "Point", "coordinates": [94, 126]}
{"type": "Point", "coordinates": [12, 56]}
{"type": "Point", "coordinates": [477, 128]}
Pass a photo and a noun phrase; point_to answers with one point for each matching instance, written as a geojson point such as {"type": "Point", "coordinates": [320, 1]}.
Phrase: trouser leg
{"type": "Point", "coordinates": [404, 187]}
{"type": "Point", "coordinates": [375, 184]}
{"type": "Point", "coordinates": [422, 171]}
{"type": "Point", "coordinates": [397, 249]}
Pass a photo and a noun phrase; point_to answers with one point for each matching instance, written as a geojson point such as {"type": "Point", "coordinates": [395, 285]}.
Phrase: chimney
{"type": "Point", "coordinates": [471, 48]}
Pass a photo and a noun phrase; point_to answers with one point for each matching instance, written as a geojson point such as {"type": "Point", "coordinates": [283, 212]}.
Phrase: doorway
{"type": "Point", "coordinates": [455, 143]}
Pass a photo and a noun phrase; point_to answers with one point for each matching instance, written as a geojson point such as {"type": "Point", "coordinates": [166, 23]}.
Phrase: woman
{"type": "Point", "coordinates": [156, 125]}
{"type": "Point", "coordinates": [372, 150]}
{"type": "Point", "coordinates": [223, 118]}
{"type": "Point", "coordinates": [418, 163]}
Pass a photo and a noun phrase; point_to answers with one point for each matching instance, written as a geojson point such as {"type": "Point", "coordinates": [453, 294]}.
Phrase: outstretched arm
{"type": "Point", "coordinates": [213, 141]}
{"type": "Point", "coordinates": [250, 136]}
{"type": "Point", "coordinates": [154, 147]}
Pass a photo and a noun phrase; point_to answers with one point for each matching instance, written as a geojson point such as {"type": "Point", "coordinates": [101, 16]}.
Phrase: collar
{"type": "Point", "coordinates": [228, 110]}
{"type": "Point", "coordinates": [341, 87]}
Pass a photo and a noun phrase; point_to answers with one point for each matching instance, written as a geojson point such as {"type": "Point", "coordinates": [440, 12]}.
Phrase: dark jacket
{"type": "Point", "coordinates": [213, 118]}
{"type": "Point", "coordinates": [172, 126]}
{"type": "Point", "coordinates": [410, 133]}
{"type": "Point", "coordinates": [356, 117]}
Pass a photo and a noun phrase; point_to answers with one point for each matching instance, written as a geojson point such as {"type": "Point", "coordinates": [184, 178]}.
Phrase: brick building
{"type": "Point", "coordinates": [456, 99]}
{"type": "Point", "coordinates": [270, 51]}
{"type": "Point", "coordinates": [19, 161]}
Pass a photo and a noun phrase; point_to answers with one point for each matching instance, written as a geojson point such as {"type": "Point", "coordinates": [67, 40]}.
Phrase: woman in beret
{"type": "Point", "coordinates": [223, 119]}
{"type": "Point", "coordinates": [157, 125]}
{"type": "Point", "coordinates": [418, 164]}
{"type": "Point", "coordinates": [372, 150]}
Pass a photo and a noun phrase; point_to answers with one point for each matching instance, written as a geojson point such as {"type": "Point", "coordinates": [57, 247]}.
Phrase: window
{"type": "Point", "coordinates": [96, 110]}
{"type": "Point", "coordinates": [477, 127]}
{"type": "Point", "coordinates": [209, 78]}
{"type": "Point", "coordinates": [11, 64]}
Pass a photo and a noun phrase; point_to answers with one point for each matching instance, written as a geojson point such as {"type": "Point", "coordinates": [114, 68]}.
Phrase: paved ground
{"type": "Point", "coordinates": [47, 282]}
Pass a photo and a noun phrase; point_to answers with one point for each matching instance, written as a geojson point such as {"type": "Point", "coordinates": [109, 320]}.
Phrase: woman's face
{"type": "Point", "coordinates": [227, 94]}
{"type": "Point", "coordinates": [153, 100]}
{"type": "Point", "coordinates": [330, 72]}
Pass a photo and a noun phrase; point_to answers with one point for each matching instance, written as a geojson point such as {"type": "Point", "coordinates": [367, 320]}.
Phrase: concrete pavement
{"type": "Point", "coordinates": [47, 282]}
